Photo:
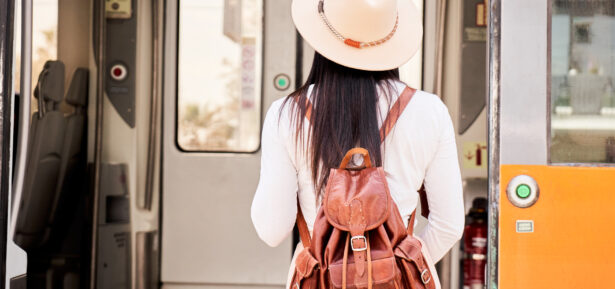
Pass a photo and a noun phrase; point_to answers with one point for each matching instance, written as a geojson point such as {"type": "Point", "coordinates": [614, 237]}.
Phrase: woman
{"type": "Point", "coordinates": [353, 83]}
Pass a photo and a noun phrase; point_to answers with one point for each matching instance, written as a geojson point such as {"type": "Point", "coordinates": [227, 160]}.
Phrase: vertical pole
{"type": "Point", "coordinates": [441, 19]}
{"type": "Point", "coordinates": [153, 138]}
{"type": "Point", "coordinates": [7, 11]}
{"type": "Point", "coordinates": [25, 92]}
{"type": "Point", "coordinates": [98, 130]}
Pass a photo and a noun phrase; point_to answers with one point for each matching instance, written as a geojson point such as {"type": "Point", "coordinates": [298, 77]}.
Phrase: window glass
{"type": "Point", "coordinates": [582, 82]}
{"type": "Point", "coordinates": [219, 75]}
{"type": "Point", "coordinates": [44, 40]}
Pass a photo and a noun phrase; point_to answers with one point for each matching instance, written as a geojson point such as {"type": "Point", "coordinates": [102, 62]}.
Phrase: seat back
{"type": "Point", "coordinates": [44, 158]}
{"type": "Point", "coordinates": [72, 176]}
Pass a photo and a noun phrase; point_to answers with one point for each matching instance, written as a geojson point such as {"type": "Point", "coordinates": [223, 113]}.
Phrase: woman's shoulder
{"type": "Point", "coordinates": [276, 105]}
{"type": "Point", "coordinates": [279, 114]}
{"type": "Point", "coordinates": [426, 115]}
{"type": "Point", "coordinates": [424, 102]}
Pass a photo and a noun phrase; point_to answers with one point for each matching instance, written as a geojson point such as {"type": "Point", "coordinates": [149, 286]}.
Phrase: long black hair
{"type": "Point", "coordinates": [345, 113]}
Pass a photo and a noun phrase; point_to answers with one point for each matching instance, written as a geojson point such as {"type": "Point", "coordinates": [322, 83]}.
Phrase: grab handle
{"type": "Point", "coordinates": [23, 131]}
{"type": "Point", "coordinates": [367, 162]}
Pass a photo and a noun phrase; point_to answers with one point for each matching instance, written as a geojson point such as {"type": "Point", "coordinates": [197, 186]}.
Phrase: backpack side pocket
{"type": "Point", "coordinates": [306, 271]}
{"type": "Point", "coordinates": [415, 271]}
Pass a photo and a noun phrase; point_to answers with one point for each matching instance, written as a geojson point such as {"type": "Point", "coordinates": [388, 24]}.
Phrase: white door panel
{"type": "Point", "coordinates": [207, 234]}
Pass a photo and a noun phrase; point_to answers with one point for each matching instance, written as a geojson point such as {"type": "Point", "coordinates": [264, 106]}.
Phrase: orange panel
{"type": "Point", "coordinates": [573, 243]}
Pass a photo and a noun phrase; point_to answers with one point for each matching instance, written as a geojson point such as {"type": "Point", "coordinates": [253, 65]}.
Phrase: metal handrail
{"type": "Point", "coordinates": [441, 23]}
{"type": "Point", "coordinates": [154, 103]}
{"type": "Point", "coordinates": [98, 133]}
{"type": "Point", "coordinates": [23, 131]}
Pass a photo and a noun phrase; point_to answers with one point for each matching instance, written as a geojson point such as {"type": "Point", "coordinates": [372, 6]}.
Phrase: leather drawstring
{"type": "Point", "coordinates": [369, 265]}
{"type": "Point", "coordinates": [345, 261]}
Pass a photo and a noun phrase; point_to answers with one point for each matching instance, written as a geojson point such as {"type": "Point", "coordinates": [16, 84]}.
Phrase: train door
{"type": "Point", "coordinates": [234, 58]}
{"type": "Point", "coordinates": [552, 126]}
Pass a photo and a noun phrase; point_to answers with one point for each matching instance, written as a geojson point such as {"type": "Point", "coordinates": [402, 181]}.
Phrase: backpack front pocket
{"type": "Point", "coordinates": [386, 275]}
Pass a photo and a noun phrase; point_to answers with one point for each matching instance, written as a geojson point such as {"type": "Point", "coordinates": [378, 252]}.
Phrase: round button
{"type": "Point", "coordinates": [281, 82]}
{"type": "Point", "coordinates": [118, 72]}
{"type": "Point", "coordinates": [523, 191]}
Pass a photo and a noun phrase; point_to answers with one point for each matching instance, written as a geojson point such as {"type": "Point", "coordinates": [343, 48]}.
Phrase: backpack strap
{"type": "Point", "coordinates": [387, 125]}
{"type": "Point", "coordinates": [391, 119]}
{"type": "Point", "coordinates": [424, 209]}
{"type": "Point", "coordinates": [411, 223]}
{"type": "Point", "coordinates": [304, 233]}
{"type": "Point", "coordinates": [395, 112]}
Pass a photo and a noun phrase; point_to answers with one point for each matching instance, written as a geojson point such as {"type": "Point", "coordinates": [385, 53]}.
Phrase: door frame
{"type": "Point", "coordinates": [493, 137]}
{"type": "Point", "coordinates": [7, 29]}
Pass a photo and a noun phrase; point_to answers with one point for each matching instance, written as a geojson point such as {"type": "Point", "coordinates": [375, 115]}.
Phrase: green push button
{"type": "Point", "coordinates": [523, 191]}
{"type": "Point", "coordinates": [281, 82]}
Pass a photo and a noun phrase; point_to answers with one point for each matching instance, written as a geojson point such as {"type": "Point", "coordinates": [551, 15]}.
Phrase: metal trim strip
{"type": "Point", "coordinates": [7, 26]}
{"type": "Point", "coordinates": [493, 134]}
{"type": "Point", "coordinates": [98, 133]}
{"type": "Point", "coordinates": [548, 80]}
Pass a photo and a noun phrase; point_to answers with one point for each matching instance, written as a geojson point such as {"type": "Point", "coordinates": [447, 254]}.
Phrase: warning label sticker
{"type": "Point", "coordinates": [474, 155]}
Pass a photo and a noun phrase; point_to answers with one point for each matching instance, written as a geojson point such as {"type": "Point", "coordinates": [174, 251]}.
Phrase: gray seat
{"type": "Point", "coordinates": [72, 176]}
{"type": "Point", "coordinates": [44, 158]}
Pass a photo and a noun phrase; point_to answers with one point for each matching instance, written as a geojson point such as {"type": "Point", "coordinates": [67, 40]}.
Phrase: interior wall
{"type": "Point", "coordinates": [476, 133]}
{"type": "Point", "coordinates": [73, 35]}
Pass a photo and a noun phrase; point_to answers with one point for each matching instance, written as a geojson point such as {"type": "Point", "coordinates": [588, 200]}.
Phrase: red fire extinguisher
{"type": "Point", "coordinates": [475, 246]}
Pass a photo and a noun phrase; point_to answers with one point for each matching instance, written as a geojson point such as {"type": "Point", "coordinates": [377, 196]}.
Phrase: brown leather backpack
{"type": "Point", "coordinates": [359, 238]}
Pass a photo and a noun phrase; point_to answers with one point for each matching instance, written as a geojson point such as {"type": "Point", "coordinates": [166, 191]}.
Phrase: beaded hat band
{"type": "Point", "coordinates": [351, 42]}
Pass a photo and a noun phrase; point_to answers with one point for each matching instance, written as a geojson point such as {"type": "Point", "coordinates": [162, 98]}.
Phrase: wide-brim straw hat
{"type": "Point", "coordinates": [339, 26]}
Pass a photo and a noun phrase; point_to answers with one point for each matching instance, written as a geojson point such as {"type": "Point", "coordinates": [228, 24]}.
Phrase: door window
{"type": "Point", "coordinates": [582, 82]}
{"type": "Point", "coordinates": [219, 75]}
{"type": "Point", "coordinates": [44, 40]}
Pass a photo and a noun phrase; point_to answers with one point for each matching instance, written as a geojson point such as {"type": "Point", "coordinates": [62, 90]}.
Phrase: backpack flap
{"type": "Point", "coordinates": [356, 200]}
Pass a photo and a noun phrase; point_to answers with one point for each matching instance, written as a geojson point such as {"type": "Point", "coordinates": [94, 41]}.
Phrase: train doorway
{"type": "Point", "coordinates": [131, 157]}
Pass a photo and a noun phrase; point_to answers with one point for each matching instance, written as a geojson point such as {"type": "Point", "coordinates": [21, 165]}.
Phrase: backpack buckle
{"type": "Point", "coordinates": [423, 276]}
{"type": "Point", "coordinates": [358, 238]}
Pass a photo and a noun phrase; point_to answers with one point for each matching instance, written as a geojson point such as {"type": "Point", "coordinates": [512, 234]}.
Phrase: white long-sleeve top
{"type": "Point", "coordinates": [421, 147]}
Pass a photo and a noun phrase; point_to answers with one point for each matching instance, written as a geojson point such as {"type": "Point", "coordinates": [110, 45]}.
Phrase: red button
{"type": "Point", "coordinates": [117, 72]}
